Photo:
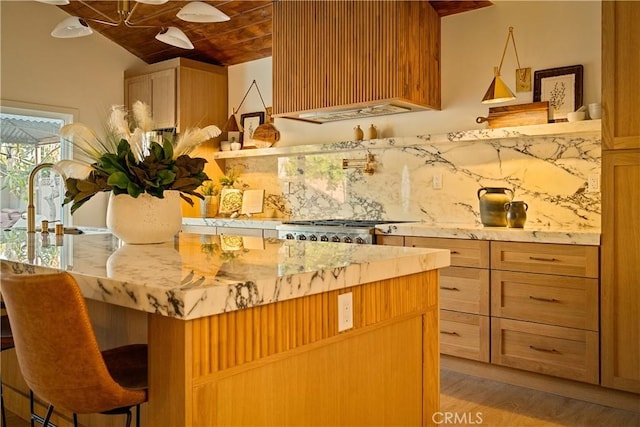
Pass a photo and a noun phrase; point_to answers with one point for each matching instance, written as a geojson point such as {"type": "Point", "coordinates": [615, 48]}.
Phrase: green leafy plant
{"type": "Point", "coordinates": [125, 162]}
{"type": "Point", "coordinates": [229, 179]}
{"type": "Point", "coordinates": [209, 189]}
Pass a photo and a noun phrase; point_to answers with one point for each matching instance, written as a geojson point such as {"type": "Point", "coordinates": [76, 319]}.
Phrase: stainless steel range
{"type": "Point", "coordinates": [331, 230]}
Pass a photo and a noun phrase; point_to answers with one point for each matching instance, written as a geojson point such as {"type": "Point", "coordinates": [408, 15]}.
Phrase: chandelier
{"type": "Point", "coordinates": [195, 11]}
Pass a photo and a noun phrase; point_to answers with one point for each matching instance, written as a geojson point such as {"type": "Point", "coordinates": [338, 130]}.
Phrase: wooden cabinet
{"type": "Point", "coordinates": [567, 260]}
{"type": "Point", "coordinates": [620, 292]}
{"type": "Point", "coordinates": [383, 239]}
{"type": "Point", "coordinates": [158, 90]}
{"type": "Point", "coordinates": [620, 285]}
{"type": "Point", "coordinates": [620, 78]}
{"type": "Point", "coordinates": [346, 54]}
{"type": "Point", "coordinates": [182, 93]}
{"type": "Point", "coordinates": [552, 350]}
{"type": "Point", "coordinates": [544, 308]}
{"type": "Point", "coordinates": [464, 296]}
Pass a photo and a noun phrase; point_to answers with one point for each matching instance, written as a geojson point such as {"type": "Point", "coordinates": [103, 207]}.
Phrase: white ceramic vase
{"type": "Point", "coordinates": [145, 219]}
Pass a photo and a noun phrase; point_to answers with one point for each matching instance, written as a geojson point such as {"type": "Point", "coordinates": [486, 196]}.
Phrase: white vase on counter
{"type": "Point", "coordinates": [144, 219]}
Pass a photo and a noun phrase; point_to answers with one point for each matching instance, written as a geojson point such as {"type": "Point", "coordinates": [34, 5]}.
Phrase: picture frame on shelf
{"type": "Point", "coordinates": [562, 87]}
{"type": "Point", "coordinates": [250, 122]}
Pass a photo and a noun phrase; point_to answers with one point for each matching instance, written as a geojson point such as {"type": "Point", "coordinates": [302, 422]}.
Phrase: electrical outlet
{"type": "Point", "coordinates": [345, 311]}
{"type": "Point", "coordinates": [437, 181]}
{"type": "Point", "coordinates": [593, 183]}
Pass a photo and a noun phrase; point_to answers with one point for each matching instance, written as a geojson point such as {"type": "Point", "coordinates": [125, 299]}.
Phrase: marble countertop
{"type": "Point", "coordinates": [530, 233]}
{"type": "Point", "coordinates": [202, 275]}
{"type": "Point", "coordinates": [242, 222]}
{"type": "Point", "coordinates": [534, 234]}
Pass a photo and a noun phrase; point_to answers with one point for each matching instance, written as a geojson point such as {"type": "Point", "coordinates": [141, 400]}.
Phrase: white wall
{"type": "Point", "coordinates": [548, 34]}
{"type": "Point", "coordinates": [84, 74]}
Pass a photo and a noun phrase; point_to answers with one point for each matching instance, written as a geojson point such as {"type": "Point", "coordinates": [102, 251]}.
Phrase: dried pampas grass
{"type": "Point", "coordinates": [191, 138]}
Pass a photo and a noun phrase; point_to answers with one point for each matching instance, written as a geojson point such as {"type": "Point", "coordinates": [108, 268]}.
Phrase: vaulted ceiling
{"type": "Point", "coordinates": [245, 37]}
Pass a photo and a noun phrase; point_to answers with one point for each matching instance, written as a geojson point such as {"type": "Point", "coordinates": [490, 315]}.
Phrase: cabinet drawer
{"type": "Point", "coordinates": [569, 260]}
{"type": "Point", "coordinates": [240, 231]}
{"type": "Point", "coordinates": [464, 253]}
{"type": "Point", "coordinates": [465, 289]}
{"type": "Point", "coordinates": [269, 233]}
{"type": "Point", "coordinates": [382, 239]}
{"type": "Point", "coordinates": [551, 350]}
{"type": "Point", "coordinates": [464, 335]}
{"type": "Point", "coordinates": [554, 300]}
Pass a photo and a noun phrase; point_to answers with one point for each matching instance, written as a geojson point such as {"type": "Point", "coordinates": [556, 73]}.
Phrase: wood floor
{"type": "Point", "coordinates": [471, 401]}
{"type": "Point", "coordinates": [490, 403]}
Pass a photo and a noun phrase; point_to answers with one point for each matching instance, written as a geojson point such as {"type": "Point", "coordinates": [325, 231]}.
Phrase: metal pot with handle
{"type": "Point", "coordinates": [492, 201]}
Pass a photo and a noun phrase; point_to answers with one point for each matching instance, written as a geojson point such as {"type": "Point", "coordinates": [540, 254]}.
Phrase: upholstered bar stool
{"type": "Point", "coordinates": [58, 353]}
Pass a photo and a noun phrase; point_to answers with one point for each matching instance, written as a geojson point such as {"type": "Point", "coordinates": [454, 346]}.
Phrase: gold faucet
{"type": "Point", "coordinates": [31, 209]}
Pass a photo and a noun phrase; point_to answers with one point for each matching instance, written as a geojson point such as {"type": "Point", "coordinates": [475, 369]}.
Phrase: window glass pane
{"type": "Point", "coordinates": [25, 141]}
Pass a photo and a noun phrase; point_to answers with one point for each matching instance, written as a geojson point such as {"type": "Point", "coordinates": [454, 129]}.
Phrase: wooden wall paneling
{"type": "Point", "coordinates": [266, 362]}
{"type": "Point", "coordinates": [331, 54]}
{"type": "Point", "coordinates": [620, 76]}
{"type": "Point", "coordinates": [171, 359]}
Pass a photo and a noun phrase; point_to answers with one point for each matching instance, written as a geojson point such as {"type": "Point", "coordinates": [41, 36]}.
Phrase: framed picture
{"type": "Point", "coordinates": [230, 201]}
{"type": "Point", "coordinates": [562, 87]}
{"type": "Point", "coordinates": [250, 122]}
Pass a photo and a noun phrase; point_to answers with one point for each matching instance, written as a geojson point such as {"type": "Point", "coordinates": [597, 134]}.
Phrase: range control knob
{"type": "Point", "coordinates": [313, 238]}
{"type": "Point", "coordinates": [289, 236]}
{"type": "Point", "coordinates": [324, 239]}
{"type": "Point", "coordinates": [348, 240]}
{"type": "Point", "coordinates": [360, 240]}
{"type": "Point", "coordinates": [302, 237]}
{"type": "Point", "coordinates": [335, 239]}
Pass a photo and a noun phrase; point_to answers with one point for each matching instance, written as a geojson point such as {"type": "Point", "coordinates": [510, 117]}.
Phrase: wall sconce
{"type": "Point", "coordinates": [498, 91]}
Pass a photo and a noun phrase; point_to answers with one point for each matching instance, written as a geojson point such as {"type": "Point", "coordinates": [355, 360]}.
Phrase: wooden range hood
{"type": "Point", "coordinates": [336, 60]}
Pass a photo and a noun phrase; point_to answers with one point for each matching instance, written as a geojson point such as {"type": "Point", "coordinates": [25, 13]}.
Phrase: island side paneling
{"type": "Point", "coordinates": [286, 363]}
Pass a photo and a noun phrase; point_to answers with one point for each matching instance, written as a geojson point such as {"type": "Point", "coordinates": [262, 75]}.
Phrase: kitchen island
{"type": "Point", "coordinates": [245, 331]}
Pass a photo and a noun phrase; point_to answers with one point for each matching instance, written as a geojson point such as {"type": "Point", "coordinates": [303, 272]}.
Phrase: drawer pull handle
{"type": "Point", "coordinates": [543, 299]}
{"type": "Point", "coordinates": [448, 288]}
{"type": "Point", "coordinates": [455, 253]}
{"type": "Point", "coordinates": [535, 258]}
{"type": "Point", "coordinates": [544, 350]}
{"type": "Point", "coordinates": [450, 333]}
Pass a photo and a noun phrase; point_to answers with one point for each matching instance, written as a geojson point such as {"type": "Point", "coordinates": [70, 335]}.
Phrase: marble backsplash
{"type": "Point", "coordinates": [550, 173]}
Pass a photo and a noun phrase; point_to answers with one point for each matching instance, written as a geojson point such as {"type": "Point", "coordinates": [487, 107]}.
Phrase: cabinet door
{"type": "Point", "coordinates": [163, 98]}
{"type": "Point", "coordinates": [620, 76]}
{"type": "Point", "coordinates": [137, 89]}
{"type": "Point", "coordinates": [620, 284]}
{"type": "Point", "coordinates": [158, 91]}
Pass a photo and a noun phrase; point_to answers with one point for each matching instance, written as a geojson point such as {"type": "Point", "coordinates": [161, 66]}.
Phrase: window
{"type": "Point", "coordinates": [29, 137]}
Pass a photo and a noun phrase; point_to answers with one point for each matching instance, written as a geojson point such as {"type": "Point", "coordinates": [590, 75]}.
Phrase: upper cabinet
{"type": "Point", "coordinates": [181, 93]}
{"type": "Point", "coordinates": [370, 56]}
{"type": "Point", "coordinates": [158, 90]}
{"type": "Point", "coordinates": [620, 76]}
